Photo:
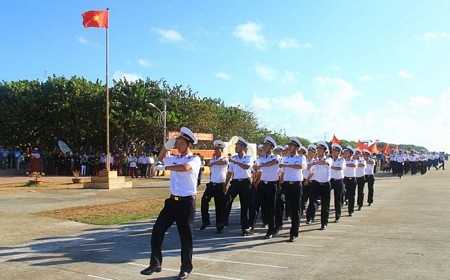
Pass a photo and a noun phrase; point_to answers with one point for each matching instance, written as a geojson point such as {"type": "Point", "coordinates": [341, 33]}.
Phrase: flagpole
{"type": "Point", "coordinates": [108, 160]}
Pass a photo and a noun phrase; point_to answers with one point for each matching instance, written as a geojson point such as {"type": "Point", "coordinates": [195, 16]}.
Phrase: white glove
{"type": "Point", "coordinates": [170, 143]}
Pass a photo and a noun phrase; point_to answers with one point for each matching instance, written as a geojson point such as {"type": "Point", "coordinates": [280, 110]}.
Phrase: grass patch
{"type": "Point", "coordinates": [111, 213]}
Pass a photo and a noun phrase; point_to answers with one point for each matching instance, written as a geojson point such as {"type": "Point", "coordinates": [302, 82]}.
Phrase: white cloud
{"type": "Point", "coordinates": [366, 78]}
{"type": "Point", "coordinates": [291, 43]}
{"type": "Point", "coordinates": [144, 62]}
{"type": "Point", "coordinates": [270, 74]}
{"type": "Point", "coordinates": [82, 40]}
{"type": "Point", "coordinates": [266, 72]}
{"type": "Point", "coordinates": [128, 76]}
{"type": "Point", "coordinates": [335, 90]}
{"type": "Point", "coordinates": [223, 76]}
{"type": "Point", "coordinates": [250, 33]}
{"type": "Point", "coordinates": [430, 36]}
{"type": "Point", "coordinates": [419, 101]}
{"type": "Point", "coordinates": [169, 35]}
{"type": "Point", "coordinates": [404, 75]}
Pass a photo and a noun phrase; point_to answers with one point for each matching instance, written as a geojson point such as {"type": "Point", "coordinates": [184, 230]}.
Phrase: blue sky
{"type": "Point", "coordinates": [356, 69]}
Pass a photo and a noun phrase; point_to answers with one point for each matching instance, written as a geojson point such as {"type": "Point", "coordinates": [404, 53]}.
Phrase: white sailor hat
{"type": "Point", "coordinates": [358, 150]}
{"type": "Point", "coordinates": [260, 146]}
{"type": "Point", "coordinates": [270, 140]}
{"type": "Point", "coordinates": [312, 147]}
{"type": "Point", "coordinates": [336, 146]}
{"type": "Point", "coordinates": [323, 145]}
{"type": "Point", "coordinates": [365, 151]}
{"type": "Point", "coordinates": [304, 149]}
{"type": "Point", "coordinates": [350, 149]}
{"type": "Point", "coordinates": [241, 141]}
{"type": "Point", "coordinates": [219, 143]}
{"type": "Point", "coordinates": [278, 147]}
{"type": "Point", "coordinates": [295, 141]}
{"type": "Point", "coordinates": [187, 134]}
{"type": "Point", "coordinates": [286, 147]}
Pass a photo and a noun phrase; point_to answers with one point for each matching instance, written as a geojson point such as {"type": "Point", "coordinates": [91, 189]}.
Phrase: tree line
{"type": "Point", "coordinates": [38, 113]}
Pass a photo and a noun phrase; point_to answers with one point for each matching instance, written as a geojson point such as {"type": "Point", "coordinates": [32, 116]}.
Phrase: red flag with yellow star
{"type": "Point", "coordinates": [95, 19]}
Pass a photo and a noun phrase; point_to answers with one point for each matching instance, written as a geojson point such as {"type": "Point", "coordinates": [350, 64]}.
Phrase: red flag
{"type": "Point", "coordinates": [387, 150]}
{"type": "Point", "coordinates": [361, 146]}
{"type": "Point", "coordinates": [95, 19]}
{"type": "Point", "coordinates": [335, 140]}
{"type": "Point", "coordinates": [373, 148]}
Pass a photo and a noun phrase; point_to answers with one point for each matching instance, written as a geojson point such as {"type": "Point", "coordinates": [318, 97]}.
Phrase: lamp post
{"type": "Point", "coordinates": [164, 117]}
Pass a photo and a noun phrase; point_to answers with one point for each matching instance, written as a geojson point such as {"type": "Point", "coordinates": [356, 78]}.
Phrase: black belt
{"type": "Point", "coordinates": [291, 182]}
{"type": "Point", "coordinates": [240, 180]}
{"type": "Point", "coordinates": [320, 183]}
{"type": "Point", "coordinates": [181, 198]}
{"type": "Point", "coordinates": [269, 182]}
{"type": "Point", "coordinates": [349, 178]}
{"type": "Point", "coordinates": [216, 184]}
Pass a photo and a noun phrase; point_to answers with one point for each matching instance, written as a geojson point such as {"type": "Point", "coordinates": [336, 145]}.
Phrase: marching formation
{"type": "Point", "coordinates": [281, 183]}
{"type": "Point", "coordinates": [286, 182]}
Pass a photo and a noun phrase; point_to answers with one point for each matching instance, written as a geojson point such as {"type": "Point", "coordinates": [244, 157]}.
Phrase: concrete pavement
{"type": "Point", "coordinates": [403, 235]}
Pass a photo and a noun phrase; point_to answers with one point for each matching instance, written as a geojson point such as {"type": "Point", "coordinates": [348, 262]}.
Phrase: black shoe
{"type": "Point", "coordinates": [350, 214]}
{"type": "Point", "coordinates": [219, 230]}
{"type": "Point", "coordinates": [150, 270]}
{"type": "Point", "coordinates": [337, 220]}
{"type": "Point", "coordinates": [359, 208]}
{"type": "Point", "coordinates": [292, 239]}
{"type": "Point", "coordinates": [247, 232]}
{"type": "Point", "coordinates": [308, 222]}
{"type": "Point", "coordinates": [268, 236]}
{"type": "Point", "coordinates": [369, 204]}
{"type": "Point", "coordinates": [204, 225]}
{"type": "Point", "coordinates": [183, 275]}
{"type": "Point", "coordinates": [324, 227]}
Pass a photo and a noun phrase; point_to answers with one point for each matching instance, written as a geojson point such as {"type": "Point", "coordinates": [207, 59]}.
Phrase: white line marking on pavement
{"type": "Point", "coordinates": [193, 273]}
{"type": "Point", "coordinates": [274, 253]}
{"type": "Point", "coordinates": [98, 277]}
{"type": "Point", "coordinates": [245, 263]}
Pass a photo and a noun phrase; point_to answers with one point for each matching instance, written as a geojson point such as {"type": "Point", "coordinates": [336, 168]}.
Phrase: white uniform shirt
{"type": "Point", "coordinates": [322, 173]}
{"type": "Point", "coordinates": [360, 170]}
{"type": "Point", "coordinates": [308, 167]}
{"type": "Point", "coordinates": [293, 174]}
{"type": "Point", "coordinates": [338, 174]}
{"type": "Point", "coordinates": [399, 158]}
{"type": "Point", "coordinates": [412, 158]}
{"type": "Point", "coordinates": [269, 173]}
{"type": "Point", "coordinates": [183, 183]}
{"type": "Point", "coordinates": [370, 167]}
{"type": "Point", "coordinates": [218, 171]}
{"type": "Point", "coordinates": [350, 171]}
{"type": "Point", "coordinates": [238, 172]}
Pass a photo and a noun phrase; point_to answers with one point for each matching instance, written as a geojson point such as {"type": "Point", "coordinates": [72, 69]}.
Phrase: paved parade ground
{"type": "Point", "coordinates": [405, 234]}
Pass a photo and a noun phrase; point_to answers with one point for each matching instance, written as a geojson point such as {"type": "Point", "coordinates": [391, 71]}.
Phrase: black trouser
{"type": "Point", "coordinates": [305, 197]}
{"type": "Point", "coordinates": [213, 190]}
{"type": "Point", "coordinates": [322, 190]}
{"type": "Point", "coordinates": [350, 187]}
{"type": "Point", "coordinates": [400, 169]}
{"type": "Point", "coordinates": [266, 196]}
{"type": "Point", "coordinates": [143, 170]}
{"type": "Point", "coordinates": [413, 167]}
{"type": "Point", "coordinates": [239, 187]}
{"type": "Point", "coordinates": [360, 181]}
{"type": "Point", "coordinates": [423, 167]}
{"type": "Point", "coordinates": [291, 193]}
{"type": "Point", "coordinates": [370, 179]}
{"type": "Point", "coordinates": [182, 212]}
{"type": "Point", "coordinates": [338, 186]}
